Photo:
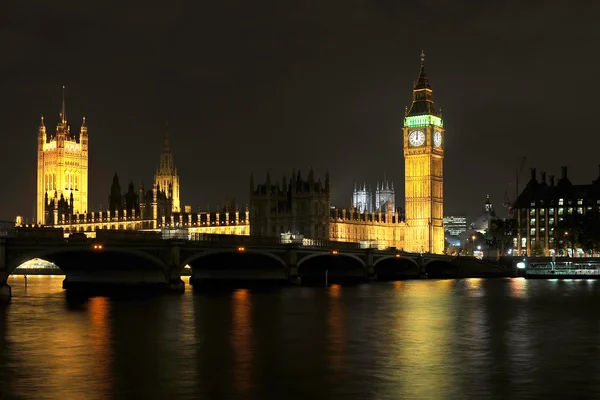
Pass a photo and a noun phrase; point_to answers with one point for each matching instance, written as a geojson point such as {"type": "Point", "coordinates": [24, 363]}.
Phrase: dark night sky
{"type": "Point", "coordinates": [272, 85]}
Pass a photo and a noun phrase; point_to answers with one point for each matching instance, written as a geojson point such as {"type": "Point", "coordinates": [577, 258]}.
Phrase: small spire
{"type": "Point", "coordinates": [422, 82]}
{"type": "Point", "coordinates": [83, 123]}
{"type": "Point", "coordinates": [63, 111]}
{"type": "Point", "coordinates": [42, 122]}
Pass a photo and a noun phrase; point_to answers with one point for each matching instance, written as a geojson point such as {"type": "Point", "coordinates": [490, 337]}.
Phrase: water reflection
{"type": "Point", "coordinates": [335, 329]}
{"type": "Point", "coordinates": [100, 343]}
{"type": "Point", "coordinates": [518, 287]}
{"type": "Point", "coordinates": [441, 339]}
{"type": "Point", "coordinates": [242, 341]}
{"type": "Point", "coordinates": [420, 345]}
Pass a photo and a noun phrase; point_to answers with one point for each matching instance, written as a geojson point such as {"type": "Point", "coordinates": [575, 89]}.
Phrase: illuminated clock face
{"type": "Point", "coordinates": [416, 138]}
{"type": "Point", "coordinates": [437, 139]}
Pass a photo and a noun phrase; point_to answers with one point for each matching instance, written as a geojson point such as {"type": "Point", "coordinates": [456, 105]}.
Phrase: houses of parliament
{"type": "Point", "coordinates": [295, 205]}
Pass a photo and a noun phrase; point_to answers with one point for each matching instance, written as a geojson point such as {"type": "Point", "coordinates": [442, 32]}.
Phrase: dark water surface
{"type": "Point", "coordinates": [436, 339]}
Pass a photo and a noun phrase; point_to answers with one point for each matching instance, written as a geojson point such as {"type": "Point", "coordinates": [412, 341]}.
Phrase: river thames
{"type": "Point", "coordinates": [431, 339]}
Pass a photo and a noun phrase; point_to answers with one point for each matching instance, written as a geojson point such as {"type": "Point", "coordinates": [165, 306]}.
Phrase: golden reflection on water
{"type": "Point", "coordinates": [335, 328]}
{"type": "Point", "coordinates": [56, 345]}
{"type": "Point", "coordinates": [397, 288]}
{"type": "Point", "coordinates": [422, 340]}
{"type": "Point", "coordinates": [242, 341]}
{"type": "Point", "coordinates": [518, 287]}
{"type": "Point", "coordinates": [100, 338]}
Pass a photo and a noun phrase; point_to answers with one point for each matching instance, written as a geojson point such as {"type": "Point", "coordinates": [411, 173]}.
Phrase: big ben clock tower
{"type": "Point", "coordinates": [424, 171]}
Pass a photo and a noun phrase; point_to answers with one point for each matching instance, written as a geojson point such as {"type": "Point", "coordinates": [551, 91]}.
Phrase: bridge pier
{"type": "Point", "coordinates": [422, 269]}
{"type": "Point", "coordinates": [5, 289]}
{"type": "Point", "coordinates": [175, 283]}
{"type": "Point", "coordinates": [369, 265]}
{"type": "Point", "coordinates": [291, 263]}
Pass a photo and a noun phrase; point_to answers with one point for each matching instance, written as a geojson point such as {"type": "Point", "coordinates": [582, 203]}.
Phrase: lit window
{"type": "Point", "coordinates": [551, 221]}
{"type": "Point", "coordinates": [542, 211]}
{"type": "Point", "coordinates": [570, 210]}
{"type": "Point", "coordinates": [551, 211]}
{"type": "Point", "coordinates": [560, 211]}
{"type": "Point", "coordinates": [579, 210]}
{"type": "Point", "coordinates": [533, 204]}
{"type": "Point", "coordinates": [523, 242]}
{"type": "Point", "coordinates": [579, 202]}
{"type": "Point", "coordinates": [532, 232]}
{"type": "Point", "coordinates": [532, 221]}
{"type": "Point", "coordinates": [560, 202]}
{"type": "Point", "coordinates": [532, 211]}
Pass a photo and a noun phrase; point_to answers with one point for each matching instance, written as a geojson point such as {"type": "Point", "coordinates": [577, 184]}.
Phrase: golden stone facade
{"type": "Point", "coordinates": [166, 176]}
{"type": "Point", "coordinates": [424, 171]}
{"type": "Point", "coordinates": [62, 171]}
{"type": "Point", "coordinates": [377, 230]}
{"type": "Point", "coordinates": [421, 229]}
{"type": "Point", "coordinates": [295, 206]}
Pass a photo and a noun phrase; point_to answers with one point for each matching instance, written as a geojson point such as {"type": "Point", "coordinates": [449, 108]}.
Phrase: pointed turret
{"type": "Point", "coordinates": [63, 110]}
{"type": "Point", "coordinates": [42, 138]}
{"type": "Point", "coordinates": [166, 157]}
{"type": "Point", "coordinates": [167, 173]}
{"type": "Point", "coordinates": [422, 103]}
{"type": "Point", "coordinates": [422, 82]}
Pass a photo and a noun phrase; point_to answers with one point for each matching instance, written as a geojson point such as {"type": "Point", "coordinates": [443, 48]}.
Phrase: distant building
{"type": "Point", "coordinates": [362, 198]}
{"type": "Point", "coordinates": [455, 224]}
{"type": "Point", "coordinates": [541, 207]}
{"type": "Point", "coordinates": [384, 196]}
{"type": "Point", "coordinates": [166, 176]}
{"type": "Point", "coordinates": [483, 222]}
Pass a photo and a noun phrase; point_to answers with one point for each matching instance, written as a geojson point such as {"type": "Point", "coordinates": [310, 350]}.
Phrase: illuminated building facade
{"type": "Point", "coordinates": [62, 168]}
{"type": "Point", "coordinates": [424, 179]}
{"type": "Point", "coordinates": [543, 207]}
{"type": "Point", "coordinates": [374, 220]}
{"type": "Point", "coordinates": [147, 211]}
{"type": "Point", "coordinates": [380, 230]}
{"type": "Point", "coordinates": [166, 176]}
{"type": "Point", "coordinates": [385, 197]}
{"type": "Point", "coordinates": [151, 210]}
{"type": "Point", "coordinates": [455, 224]}
{"type": "Point", "coordinates": [362, 198]}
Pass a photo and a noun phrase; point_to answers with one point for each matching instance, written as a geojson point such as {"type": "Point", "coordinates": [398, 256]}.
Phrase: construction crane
{"type": "Point", "coordinates": [508, 203]}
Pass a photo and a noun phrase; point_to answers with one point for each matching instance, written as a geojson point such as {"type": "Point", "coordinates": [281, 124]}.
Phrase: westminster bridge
{"type": "Point", "coordinates": [152, 262]}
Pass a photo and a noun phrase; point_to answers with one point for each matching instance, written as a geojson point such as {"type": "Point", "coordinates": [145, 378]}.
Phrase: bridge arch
{"type": "Point", "coordinates": [399, 259]}
{"type": "Point", "coordinates": [203, 254]}
{"type": "Point", "coordinates": [393, 268]}
{"type": "Point", "coordinates": [328, 254]}
{"type": "Point", "coordinates": [337, 267]}
{"type": "Point", "coordinates": [57, 257]}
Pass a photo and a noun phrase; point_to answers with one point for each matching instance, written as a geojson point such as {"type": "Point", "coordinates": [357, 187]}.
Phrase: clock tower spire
{"type": "Point", "coordinates": [423, 173]}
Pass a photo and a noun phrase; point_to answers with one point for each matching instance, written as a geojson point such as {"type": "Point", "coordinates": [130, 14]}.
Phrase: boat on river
{"type": "Point", "coordinates": [563, 270]}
